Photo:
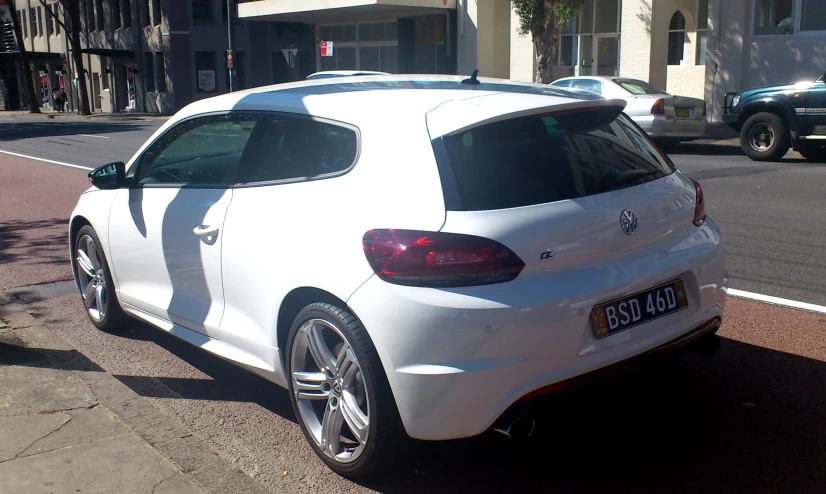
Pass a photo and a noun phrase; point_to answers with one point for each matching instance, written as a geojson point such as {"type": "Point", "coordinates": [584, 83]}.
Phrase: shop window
{"type": "Point", "coordinates": [96, 89]}
{"type": "Point", "coordinates": [148, 73]}
{"type": "Point", "coordinates": [774, 17]}
{"type": "Point", "coordinates": [146, 13]}
{"type": "Point", "coordinates": [202, 10]}
{"type": "Point", "coordinates": [89, 15]}
{"type": "Point", "coordinates": [104, 80]}
{"type": "Point", "coordinates": [607, 16]}
{"type": "Point", "coordinates": [813, 17]}
{"type": "Point", "coordinates": [205, 71]}
{"type": "Point", "coordinates": [587, 24]}
{"type": "Point", "coordinates": [702, 32]}
{"type": "Point", "coordinates": [676, 39]}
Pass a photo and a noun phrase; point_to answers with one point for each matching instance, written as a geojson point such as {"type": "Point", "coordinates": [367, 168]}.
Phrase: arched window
{"type": "Point", "coordinates": [676, 39]}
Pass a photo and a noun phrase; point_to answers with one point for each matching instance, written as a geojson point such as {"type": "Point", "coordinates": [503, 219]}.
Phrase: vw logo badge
{"type": "Point", "coordinates": [628, 222]}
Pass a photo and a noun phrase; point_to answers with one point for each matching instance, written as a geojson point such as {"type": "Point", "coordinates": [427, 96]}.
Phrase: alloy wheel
{"type": "Point", "coordinates": [92, 278]}
{"type": "Point", "coordinates": [330, 392]}
{"type": "Point", "coordinates": [761, 137]}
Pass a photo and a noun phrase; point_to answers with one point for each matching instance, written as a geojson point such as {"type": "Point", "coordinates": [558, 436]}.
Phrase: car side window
{"type": "Point", "coordinates": [589, 84]}
{"type": "Point", "coordinates": [286, 147]}
{"type": "Point", "coordinates": [565, 83]}
{"type": "Point", "coordinates": [200, 151]}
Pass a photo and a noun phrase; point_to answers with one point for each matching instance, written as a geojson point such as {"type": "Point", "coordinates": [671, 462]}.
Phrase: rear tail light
{"type": "Point", "coordinates": [439, 260]}
{"type": "Point", "coordinates": [699, 205]}
{"type": "Point", "coordinates": [704, 109]}
{"type": "Point", "coordinates": [659, 107]}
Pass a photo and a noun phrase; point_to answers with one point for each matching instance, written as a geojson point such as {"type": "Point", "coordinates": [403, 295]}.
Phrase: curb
{"type": "Point", "coordinates": [188, 454]}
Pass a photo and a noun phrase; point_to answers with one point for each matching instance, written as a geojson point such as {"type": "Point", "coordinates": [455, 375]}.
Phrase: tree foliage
{"type": "Point", "coordinates": [544, 19]}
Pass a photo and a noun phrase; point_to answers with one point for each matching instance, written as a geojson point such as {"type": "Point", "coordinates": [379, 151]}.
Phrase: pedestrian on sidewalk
{"type": "Point", "coordinates": [59, 98]}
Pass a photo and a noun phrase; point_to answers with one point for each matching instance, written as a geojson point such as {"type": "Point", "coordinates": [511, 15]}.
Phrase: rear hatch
{"type": "Point", "coordinates": [578, 193]}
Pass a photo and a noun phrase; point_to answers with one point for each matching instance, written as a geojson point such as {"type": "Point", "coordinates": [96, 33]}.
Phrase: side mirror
{"type": "Point", "coordinates": [109, 176]}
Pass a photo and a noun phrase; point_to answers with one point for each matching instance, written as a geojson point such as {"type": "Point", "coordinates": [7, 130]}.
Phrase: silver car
{"type": "Point", "coordinates": [664, 117]}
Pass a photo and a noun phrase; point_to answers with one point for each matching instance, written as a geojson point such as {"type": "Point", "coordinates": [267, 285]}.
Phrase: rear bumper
{"type": "Point", "coordinates": [657, 126]}
{"type": "Point", "coordinates": [458, 359]}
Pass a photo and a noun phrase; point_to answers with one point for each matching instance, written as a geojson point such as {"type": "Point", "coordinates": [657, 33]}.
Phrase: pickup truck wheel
{"type": "Point", "coordinates": [765, 137]}
{"type": "Point", "coordinates": [814, 151]}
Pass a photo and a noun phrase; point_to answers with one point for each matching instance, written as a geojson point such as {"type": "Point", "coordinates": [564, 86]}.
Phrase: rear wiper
{"type": "Point", "coordinates": [615, 178]}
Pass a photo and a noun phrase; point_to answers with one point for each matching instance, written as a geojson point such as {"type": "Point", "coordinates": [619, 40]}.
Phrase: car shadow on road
{"type": "Point", "coordinates": [749, 419]}
{"type": "Point", "coordinates": [706, 149]}
{"type": "Point", "coordinates": [229, 382]}
{"type": "Point", "coordinates": [13, 131]}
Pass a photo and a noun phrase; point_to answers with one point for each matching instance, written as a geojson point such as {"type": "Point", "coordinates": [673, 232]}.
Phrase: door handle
{"type": "Point", "coordinates": [205, 231]}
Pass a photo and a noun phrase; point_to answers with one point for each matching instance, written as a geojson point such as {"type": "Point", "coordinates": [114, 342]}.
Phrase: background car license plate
{"type": "Point", "coordinates": [623, 313]}
{"type": "Point", "coordinates": [682, 111]}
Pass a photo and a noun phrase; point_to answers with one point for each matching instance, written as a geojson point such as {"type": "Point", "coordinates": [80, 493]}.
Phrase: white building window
{"type": "Point", "coordinates": [774, 17]}
{"type": "Point", "coordinates": [702, 32]}
{"type": "Point", "coordinates": [676, 39]}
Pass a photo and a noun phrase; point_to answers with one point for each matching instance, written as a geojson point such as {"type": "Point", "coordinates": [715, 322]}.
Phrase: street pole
{"type": "Point", "coordinates": [231, 65]}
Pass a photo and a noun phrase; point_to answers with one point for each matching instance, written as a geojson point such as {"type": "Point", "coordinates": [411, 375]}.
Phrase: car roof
{"type": "Point", "coordinates": [345, 73]}
{"type": "Point", "coordinates": [363, 100]}
{"type": "Point", "coordinates": [597, 77]}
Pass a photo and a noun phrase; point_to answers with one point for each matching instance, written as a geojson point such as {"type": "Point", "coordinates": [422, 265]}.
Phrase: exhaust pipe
{"type": "Point", "coordinates": [521, 427]}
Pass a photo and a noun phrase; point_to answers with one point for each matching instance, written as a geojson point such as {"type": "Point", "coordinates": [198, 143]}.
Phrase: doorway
{"type": "Point", "coordinates": [606, 55]}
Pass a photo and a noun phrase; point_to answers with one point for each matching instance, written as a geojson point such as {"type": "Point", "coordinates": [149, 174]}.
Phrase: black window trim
{"type": "Point", "coordinates": [130, 174]}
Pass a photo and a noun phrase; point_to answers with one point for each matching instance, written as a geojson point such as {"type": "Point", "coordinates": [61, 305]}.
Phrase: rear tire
{"type": "Point", "coordinates": [335, 377]}
{"type": "Point", "coordinates": [765, 137]}
{"type": "Point", "coordinates": [94, 280]}
{"type": "Point", "coordinates": [814, 151]}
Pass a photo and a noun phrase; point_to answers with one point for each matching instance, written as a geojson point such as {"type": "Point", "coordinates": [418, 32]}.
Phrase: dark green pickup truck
{"type": "Point", "coordinates": [773, 119]}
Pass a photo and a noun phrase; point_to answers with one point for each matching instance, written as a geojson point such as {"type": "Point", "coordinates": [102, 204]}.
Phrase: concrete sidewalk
{"type": "Point", "coordinates": [68, 426]}
{"type": "Point", "coordinates": [73, 115]}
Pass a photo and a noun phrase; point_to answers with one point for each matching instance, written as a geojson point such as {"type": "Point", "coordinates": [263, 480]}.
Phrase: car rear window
{"type": "Point", "coordinates": [539, 159]}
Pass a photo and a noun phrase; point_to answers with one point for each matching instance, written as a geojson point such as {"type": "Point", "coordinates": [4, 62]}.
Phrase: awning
{"type": "Point", "coordinates": [108, 52]}
{"type": "Point", "coordinates": [313, 11]}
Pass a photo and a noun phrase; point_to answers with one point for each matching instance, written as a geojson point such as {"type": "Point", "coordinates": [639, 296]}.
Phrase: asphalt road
{"type": "Point", "coordinates": [749, 419]}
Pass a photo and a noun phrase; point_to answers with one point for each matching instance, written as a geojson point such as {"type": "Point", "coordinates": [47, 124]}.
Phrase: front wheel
{"type": "Point", "coordinates": [814, 151]}
{"type": "Point", "coordinates": [765, 137]}
{"type": "Point", "coordinates": [340, 393]}
{"type": "Point", "coordinates": [95, 281]}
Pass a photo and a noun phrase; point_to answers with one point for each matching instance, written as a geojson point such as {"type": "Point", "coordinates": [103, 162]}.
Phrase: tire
{"type": "Point", "coordinates": [814, 151]}
{"type": "Point", "coordinates": [765, 137]}
{"type": "Point", "coordinates": [94, 280]}
{"type": "Point", "coordinates": [359, 386]}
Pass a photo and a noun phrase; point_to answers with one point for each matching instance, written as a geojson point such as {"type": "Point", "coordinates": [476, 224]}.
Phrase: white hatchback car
{"type": "Point", "coordinates": [664, 117]}
{"type": "Point", "coordinates": [408, 255]}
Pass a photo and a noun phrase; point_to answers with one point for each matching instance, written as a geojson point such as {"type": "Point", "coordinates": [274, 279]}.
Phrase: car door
{"type": "Point", "coordinates": [165, 230]}
{"type": "Point", "coordinates": [816, 109]}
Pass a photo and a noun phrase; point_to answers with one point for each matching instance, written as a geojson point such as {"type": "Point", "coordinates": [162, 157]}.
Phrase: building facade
{"type": "Point", "coordinates": [159, 55]}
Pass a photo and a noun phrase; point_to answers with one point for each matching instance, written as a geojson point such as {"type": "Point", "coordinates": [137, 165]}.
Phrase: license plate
{"type": "Point", "coordinates": [683, 111]}
{"type": "Point", "coordinates": [623, 313]}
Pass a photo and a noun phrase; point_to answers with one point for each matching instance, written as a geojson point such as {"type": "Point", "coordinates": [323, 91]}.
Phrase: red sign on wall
{"type": "Point", "coordinates": [326, 48]}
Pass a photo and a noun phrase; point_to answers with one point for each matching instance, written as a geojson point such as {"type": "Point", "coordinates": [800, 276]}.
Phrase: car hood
{"type": "Point", "coordinates": [770, 90]}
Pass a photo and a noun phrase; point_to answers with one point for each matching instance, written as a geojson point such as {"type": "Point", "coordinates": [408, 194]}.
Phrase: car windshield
{"type": "Point", "coordinates": [636, 87]}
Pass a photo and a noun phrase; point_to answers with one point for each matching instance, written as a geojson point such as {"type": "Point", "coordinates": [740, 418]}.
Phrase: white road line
{"type": "Point", "coordinates": [45, 160]}
{"type": "Point", "coordinates": [777, 301]}
{"type": "Point", "coordinates": [92, 135]}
